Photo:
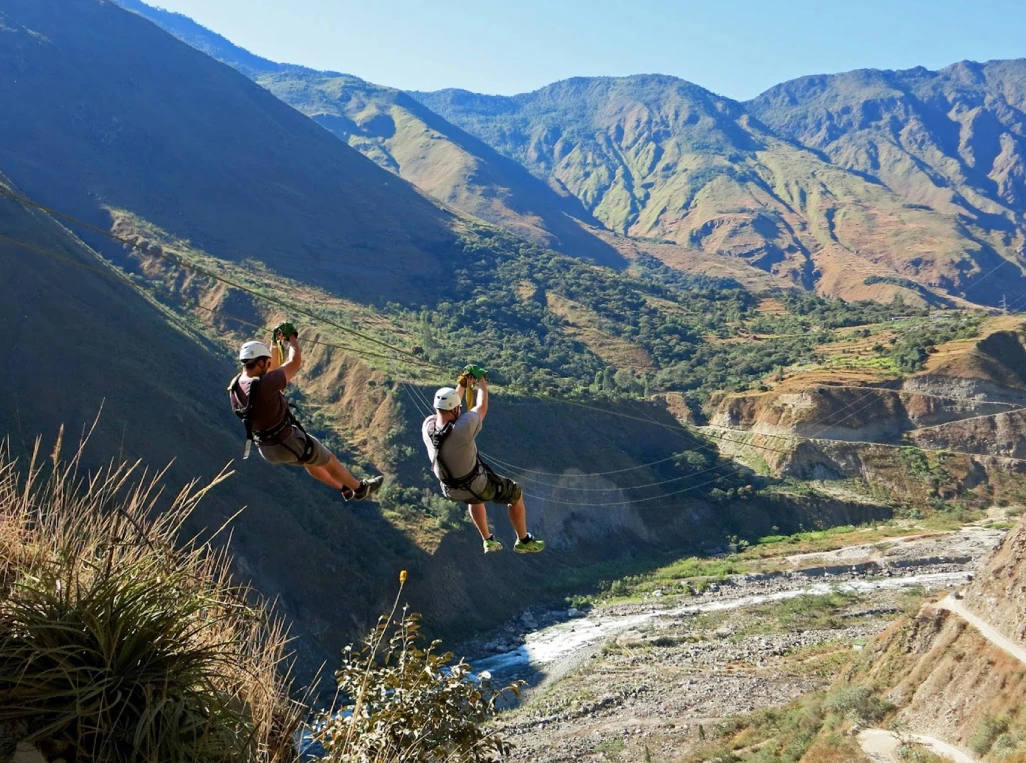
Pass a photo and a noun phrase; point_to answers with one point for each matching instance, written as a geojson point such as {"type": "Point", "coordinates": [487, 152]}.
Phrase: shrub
{"type": "Point", "coordinates": [859, 704]}
{"type": "Point", "coordinates": [990, 728]}
{"type": "Point", "coordinates": [118, 645]}
{"type": "Point", "coordinates": [412, 704]}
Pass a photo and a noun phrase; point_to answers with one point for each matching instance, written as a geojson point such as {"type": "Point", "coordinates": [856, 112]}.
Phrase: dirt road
{"type": "Point", "coordinates": [882, 746]}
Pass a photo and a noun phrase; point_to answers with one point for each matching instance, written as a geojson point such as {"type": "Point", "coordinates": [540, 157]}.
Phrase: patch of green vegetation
{"type": "Point", "coordinates": [1009, 744]}
{"type": "Point", "coordinates": [484, 316]}
{"type": "Point", "coordinates": [912, 752]}
{"type": "Point", "coordinates": [812, 612]}
{"type": "Point", "coordinates": [986, 733]}
{"type": "Point", "coordinates": [694, 574]}
{"type": "Point", "coordinates": [807, 536]}
{"type": "Point", "coordinates": [611, 748]}
{"type": "Point", "coordinates": [786, 734]}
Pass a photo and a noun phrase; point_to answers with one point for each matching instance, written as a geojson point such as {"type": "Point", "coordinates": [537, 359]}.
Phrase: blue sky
{"type": "Point", "coordinates": [736, 48]}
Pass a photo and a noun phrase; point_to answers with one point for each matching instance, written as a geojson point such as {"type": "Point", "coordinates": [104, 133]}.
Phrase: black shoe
{"type": "Point", "coordinates": [366, 489]}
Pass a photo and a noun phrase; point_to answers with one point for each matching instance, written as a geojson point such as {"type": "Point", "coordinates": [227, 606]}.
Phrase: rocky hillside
{"type": "Point", "coordinates": [657, 156]}
{"type": "Point", "coordinates": [997, 594]}
{"type": "Point", "coordinates": [956, 670]}
{"type": "Point", "coordinates": [951, 140]}
{"type": "Point", "coordinates": [961, 413]}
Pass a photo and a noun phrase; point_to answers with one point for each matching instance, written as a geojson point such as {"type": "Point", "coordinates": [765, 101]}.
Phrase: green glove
{"type": "Point", "coordinates": [476, 371]}
{"type": "Point", "coordinates": [287, 330]}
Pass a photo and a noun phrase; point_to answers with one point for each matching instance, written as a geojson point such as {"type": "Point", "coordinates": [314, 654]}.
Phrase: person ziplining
{"type": "Point", "coordinates": [257, 398]}
{"type": "Point", "coordinates": [450, 438]}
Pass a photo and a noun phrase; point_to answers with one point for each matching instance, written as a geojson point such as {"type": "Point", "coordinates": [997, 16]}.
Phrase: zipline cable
{"type": "Point", "coordinates": [111, 270]}
{"type": "Point", "coordinates": [179, 262]}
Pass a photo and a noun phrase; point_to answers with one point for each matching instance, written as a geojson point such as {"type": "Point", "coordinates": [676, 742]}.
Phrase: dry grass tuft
{"type": "Point", "coordinates": [117, 641]}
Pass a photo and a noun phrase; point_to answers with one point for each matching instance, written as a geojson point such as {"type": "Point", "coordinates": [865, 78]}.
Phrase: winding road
{"type": "Point", "coordinates": [881, 745]}
{"type": "Point", "coordinates": [988, 631]}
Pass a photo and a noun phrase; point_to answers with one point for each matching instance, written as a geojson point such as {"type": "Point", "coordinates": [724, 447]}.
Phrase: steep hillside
{"type": "Point", "coordinates": [950, 140]}
{"type": "Point", "coordinates": [654, 156]}
{"type": "Point", "coordinates": [999, 593]}
{"type": "Point", "coordinates": [403, 136]}
{"type": "Point", "coordinates": [950, 675]}
{"type": "Point", "coordinates": [949, 431]}
{"type": "Point", "coordinates": [104, 111]}
{"type": "Point", "coordinates": [82, 338]}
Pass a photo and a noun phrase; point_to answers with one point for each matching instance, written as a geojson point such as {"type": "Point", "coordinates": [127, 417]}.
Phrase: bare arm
{"type": "Point", "coordinates": [292, 365]}
{"type": "Point", "coordinates": [481, 408]}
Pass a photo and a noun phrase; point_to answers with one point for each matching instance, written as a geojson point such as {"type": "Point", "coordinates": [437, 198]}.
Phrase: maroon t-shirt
{"type": "Point", "coordinates": [269, 407]}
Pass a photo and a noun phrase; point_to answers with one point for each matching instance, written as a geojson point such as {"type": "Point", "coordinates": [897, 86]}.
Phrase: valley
{"type": "Point", "coordinates": [759, 367]}
{"type": "Point", "coordinates": [659, 674]}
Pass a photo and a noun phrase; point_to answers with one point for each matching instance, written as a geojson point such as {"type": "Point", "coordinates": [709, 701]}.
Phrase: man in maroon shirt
{"type": "Point", "coordinates": [256, 396]}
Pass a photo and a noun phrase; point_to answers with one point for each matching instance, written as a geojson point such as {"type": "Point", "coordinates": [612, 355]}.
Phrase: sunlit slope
{"type": "Point", "coordinates": [948, 140]}
{"type": "Point", "coordinates": [659, 157]}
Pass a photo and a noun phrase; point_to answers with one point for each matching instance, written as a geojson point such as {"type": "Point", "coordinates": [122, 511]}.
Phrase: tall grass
{"type": "Point", "coordinates": [119, 640]}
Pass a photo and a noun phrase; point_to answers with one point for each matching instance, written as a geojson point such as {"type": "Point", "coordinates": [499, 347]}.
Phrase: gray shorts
{"type": "Point", "coordinates": [497, 489]}
{"type": "Point", "coordinates": [289, 450]}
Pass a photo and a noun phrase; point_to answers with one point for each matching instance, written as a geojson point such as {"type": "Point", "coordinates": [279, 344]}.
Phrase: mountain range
{"type": "Point", "coordinates": [861, 185]}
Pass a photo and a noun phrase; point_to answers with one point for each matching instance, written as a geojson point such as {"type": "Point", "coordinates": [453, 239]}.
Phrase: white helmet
{"type": "Point", "coordinates": [253, 351]}
{"type": "Point", "coordinates": [447, 399]}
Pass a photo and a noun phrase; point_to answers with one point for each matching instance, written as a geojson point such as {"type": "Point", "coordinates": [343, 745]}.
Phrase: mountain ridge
{"type": "Point", "coordinates": [401, 135]}
{"type": "Point", "coordinates": [679, 162]}
{"type": "Point", "coordinates": [654, 157]}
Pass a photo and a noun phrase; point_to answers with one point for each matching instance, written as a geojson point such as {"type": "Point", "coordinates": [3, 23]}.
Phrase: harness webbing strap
{"type": "Point", "coordinates": [438, 438]}
{"type": "Point", "coordinates": [272, 435]}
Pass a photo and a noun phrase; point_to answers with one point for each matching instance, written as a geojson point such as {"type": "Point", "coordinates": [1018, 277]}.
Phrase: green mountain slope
{"type": "Point", "coordinates": [104, 111]}
{"type": "Point", "coordinates": [952, 140]}
{"type": "Point", "coordinates": [403, 136]}
{"type": "Point", "coordinates": [654, 156]}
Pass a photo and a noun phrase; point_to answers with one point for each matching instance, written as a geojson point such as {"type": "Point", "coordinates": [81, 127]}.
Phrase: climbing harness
{"type": "Point", "coordinates": [275, 435]}
{"type": "Point", "coordinates": [438, 438]}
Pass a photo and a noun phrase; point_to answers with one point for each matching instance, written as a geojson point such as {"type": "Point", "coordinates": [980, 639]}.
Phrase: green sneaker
{"type": "Point", "coordinates": [530, 545]}
{"type": "Point", "coordinates": [491, 545]}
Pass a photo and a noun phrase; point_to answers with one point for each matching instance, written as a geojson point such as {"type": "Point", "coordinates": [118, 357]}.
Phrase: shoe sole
{"type": "Point", "coordinates": [529, 550]}
{"type": "Point", "coordinates": [373, 486]}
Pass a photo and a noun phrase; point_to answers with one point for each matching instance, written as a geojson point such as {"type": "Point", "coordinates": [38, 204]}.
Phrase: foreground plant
{"type": "Point", "coordinates": [118, 644]}
{"type": "Point", "coordinates": [410, 703]}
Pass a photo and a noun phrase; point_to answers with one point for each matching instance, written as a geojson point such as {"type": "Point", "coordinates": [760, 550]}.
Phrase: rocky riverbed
{"type": "Point", "coordinates": [647, 679]}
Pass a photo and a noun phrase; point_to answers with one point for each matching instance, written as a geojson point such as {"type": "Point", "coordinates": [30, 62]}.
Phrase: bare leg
{"type": "Point", "coordinates": [480, 517]}
{"type": "Point", "coordinates": [321, 474]}
{"type": "Point", "coordinates": [334, 474]}
{"type": "Point", "coordinates": [518, 517]}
